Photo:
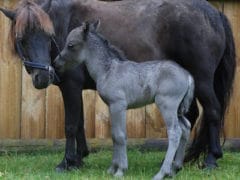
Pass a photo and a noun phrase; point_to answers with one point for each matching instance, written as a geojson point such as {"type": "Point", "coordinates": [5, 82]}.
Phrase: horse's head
{"type": "Point", "coordinates": [31, 33]}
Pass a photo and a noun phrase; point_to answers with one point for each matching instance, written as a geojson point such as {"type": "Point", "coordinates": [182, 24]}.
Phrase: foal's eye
{"type": "Point", "coordinates": [70, 46]}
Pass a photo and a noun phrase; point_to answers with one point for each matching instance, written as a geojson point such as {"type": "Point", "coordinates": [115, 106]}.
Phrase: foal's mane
{"type": "Point", "coordinates": [30, 16]}
{"type": "Point", "coordinates": [116, 52]}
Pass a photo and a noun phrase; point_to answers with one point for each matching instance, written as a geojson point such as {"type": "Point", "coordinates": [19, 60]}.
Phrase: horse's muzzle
{"type": "Point", "coordinates": [43, 78]}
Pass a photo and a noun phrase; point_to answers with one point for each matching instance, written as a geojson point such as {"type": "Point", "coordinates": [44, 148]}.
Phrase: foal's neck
{"type": "Point", "coordinates": [100, 58]}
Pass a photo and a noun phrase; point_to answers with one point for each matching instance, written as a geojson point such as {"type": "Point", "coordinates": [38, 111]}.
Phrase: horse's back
{"type": "Point", "coordinates": [157, 29]}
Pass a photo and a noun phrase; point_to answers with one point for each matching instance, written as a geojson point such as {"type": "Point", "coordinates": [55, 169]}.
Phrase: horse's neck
{"type": "Point", "coordinates": [67, 15]}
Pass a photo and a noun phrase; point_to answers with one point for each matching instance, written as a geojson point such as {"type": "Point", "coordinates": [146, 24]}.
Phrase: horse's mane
{"type": "Point", "coordinates": [116, 52]}
{"type": "Point", "coordinates": [30, 16]}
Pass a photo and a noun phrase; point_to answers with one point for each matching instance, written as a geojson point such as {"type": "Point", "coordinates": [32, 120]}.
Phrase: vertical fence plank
{"type": "Point", "coordinates": [232, 120]}
{"type": "Point", "coordinates": [33, 110]}
{"type": "Point", "coordinates": [102, 119]}
{"type": "Point", "coordinates": [54, 113]}
{"type": "Point", "coordinates": [136, 123]}
{"type": "Point", "coordinates": [10, 83]}
{"type": "Point", "coordinates": [155, 127]}
{"type": "Point", "coordinates": [42, 113]}
{"type": "Point", "coordinates": [89, 99]}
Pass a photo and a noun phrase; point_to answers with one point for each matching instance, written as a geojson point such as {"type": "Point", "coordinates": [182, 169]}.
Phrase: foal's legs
{"type": "Point", "coordinates": [179, 157]}
{"type": "Point", "coordinates": [169, 109]}
{"type": "Point", "coordinates": [119, 137]}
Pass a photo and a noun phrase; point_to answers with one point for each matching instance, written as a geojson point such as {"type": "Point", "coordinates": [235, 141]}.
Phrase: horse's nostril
{"type": "Point", "coordinates": [36, 78]}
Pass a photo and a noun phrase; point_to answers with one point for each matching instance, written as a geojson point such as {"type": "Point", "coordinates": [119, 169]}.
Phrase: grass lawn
{"type": "Point", "coordinates": [142, 165]}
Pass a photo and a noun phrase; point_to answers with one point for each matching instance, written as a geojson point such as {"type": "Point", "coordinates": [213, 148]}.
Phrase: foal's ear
{"type": "Point", "coordinates": [8, 13]}
{"type": "Point", "coordinates": [95, 26]}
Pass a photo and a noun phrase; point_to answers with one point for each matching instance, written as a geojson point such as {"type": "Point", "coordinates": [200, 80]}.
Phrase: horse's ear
{"type": "Point", "coordinates": [46, 5]}
{"type": "Point", "coordinates": [96, 25]}
{"type": "Point", "coordinates": [86, 29]}
{"type": "Point", "coordinates": [8, 13]}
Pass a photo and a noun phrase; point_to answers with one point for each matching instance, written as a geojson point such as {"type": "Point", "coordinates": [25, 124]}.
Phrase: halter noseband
{"type": "Point", "coordinates": [35, 65]}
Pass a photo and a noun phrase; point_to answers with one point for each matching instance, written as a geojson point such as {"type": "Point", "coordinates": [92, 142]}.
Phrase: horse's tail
{"type": "Point", "coordinates": [224, 76]}
{"type": "Point", "coordinates": [223, 84]}
{"type": "Point", "coordinates": [187, 99]}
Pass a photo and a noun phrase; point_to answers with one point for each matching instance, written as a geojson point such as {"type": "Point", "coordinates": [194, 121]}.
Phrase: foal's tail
{"type": "Point", "coordinates": [187, 99]}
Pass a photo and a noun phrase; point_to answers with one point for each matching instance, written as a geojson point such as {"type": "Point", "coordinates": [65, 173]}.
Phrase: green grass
{"type": "Point", "coordinates": [142, 165]}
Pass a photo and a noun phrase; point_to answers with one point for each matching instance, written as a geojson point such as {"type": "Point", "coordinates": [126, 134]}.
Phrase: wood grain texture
{"type": "Point", "coordinates": [89, 100]}
{"type": "Point", "coordinates": [54, 114]}
{"type": "Point", "coordinates": [10, 83]}
{"type": "Point", "coordinates": [102, 119]}
{"type": "Point", "coordinates": [33, 110]}
{"type": "Point", "coordinates": [155, 127]}
{"type": "Point", "coordinates": [136, 123]}
{"type": "Point", "coordinates": [29, 113]}
{"type": "Point", "coordinates": [232, 120]}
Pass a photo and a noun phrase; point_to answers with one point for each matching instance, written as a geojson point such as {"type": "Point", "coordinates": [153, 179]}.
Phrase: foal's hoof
{"type": "Point", "coordinates": [115, 171]}
{"type": "Point", "coordinates": [111, 170]}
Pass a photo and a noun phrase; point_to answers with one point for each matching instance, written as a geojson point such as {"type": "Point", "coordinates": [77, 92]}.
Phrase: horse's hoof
{"type": "Point", "coordinates": [209, 166]}
{"type": "Point", "coordinates": [62, 166]}
{"type": "Point", "coordinates": [210, 162]}
{"type": "Point", "coordinates": [60, 169]}
{"type": "Point", "coordinates": [67, 166]}
{"type": "Point", "coordinates": [85, 153]}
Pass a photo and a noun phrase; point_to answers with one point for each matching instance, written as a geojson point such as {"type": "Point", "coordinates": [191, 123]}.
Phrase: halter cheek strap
{"type": "Point", "coordinates": [35, 65]}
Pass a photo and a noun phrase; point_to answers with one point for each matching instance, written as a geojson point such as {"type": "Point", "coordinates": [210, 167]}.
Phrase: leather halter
{"type": "Point", "coordinates": [35, 65]}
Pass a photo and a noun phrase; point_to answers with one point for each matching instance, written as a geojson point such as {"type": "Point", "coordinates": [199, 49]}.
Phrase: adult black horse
{"type": "Point", "coordinates": [191, 31]}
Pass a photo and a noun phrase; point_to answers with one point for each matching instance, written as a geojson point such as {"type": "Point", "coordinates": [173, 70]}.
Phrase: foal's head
{"type": "Point", "coordinates": [31, 33]}
{"type": "Point", "coordinates": [75, 51]}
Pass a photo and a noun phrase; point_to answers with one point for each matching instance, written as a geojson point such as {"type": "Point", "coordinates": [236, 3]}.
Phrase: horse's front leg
{"type": "Point", "coordinates": [119, 137]}
{"type": "Point", "coordinates": [74, 130]}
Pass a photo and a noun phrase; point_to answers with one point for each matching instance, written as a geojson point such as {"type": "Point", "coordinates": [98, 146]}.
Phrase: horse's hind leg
{"type": "Point", "coordinates": [179, 157]}
{"type": "Point", "coordinates": [212, 126]}
{"type": "Point", "coordinates": [169, 107]}
{"type": "Point", "coordinates": [119, 137]}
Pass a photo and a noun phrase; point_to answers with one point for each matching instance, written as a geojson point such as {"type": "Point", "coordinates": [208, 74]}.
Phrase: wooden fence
{"type": "Point", "coordinates": [27, 113]}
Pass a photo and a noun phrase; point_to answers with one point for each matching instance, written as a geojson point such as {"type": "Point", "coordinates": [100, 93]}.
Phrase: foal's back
{"type": "Point", "coordinates": [139, 83]}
